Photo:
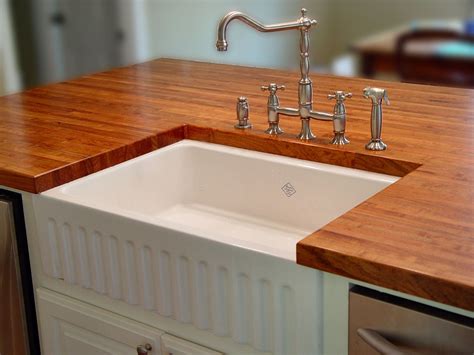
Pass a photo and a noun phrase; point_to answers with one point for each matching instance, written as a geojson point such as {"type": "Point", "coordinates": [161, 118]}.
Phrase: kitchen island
{"type": "Point", "coordinates": [416, 236]}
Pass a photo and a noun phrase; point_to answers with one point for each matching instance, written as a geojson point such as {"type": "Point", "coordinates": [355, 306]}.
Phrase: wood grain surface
{"type": "Point", "coordinates": [416, 236]}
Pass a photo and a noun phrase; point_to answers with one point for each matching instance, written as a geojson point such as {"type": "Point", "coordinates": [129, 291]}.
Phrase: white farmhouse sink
{"type": "Point", "coordinates": [203, 235]}
{"type": "Point", "coordinates": [245, 198]}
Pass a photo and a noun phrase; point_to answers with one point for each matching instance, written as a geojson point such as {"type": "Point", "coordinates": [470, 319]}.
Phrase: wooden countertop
{"type": "Point", "coordinates": [416, 236]}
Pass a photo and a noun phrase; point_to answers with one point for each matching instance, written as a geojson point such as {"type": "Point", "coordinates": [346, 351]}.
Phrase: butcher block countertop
{"type": "Point", "coordinates": [416, 236]}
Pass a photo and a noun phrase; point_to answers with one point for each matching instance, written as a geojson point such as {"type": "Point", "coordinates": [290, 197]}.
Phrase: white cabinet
{"type": "Point", "coordinates": [172, 345]}
{"type": "Point", "coordinates": [70, 327]}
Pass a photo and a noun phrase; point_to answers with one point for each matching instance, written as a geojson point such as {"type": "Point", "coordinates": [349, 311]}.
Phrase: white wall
{"type": "Point", "coordinates": [188, 29]}
{"type": "Point", "coordinates": [9, 75]}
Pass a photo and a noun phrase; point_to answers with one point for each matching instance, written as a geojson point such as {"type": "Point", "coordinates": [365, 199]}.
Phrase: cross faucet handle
{"type": "Point", "coordinates": [305, 20]}
{"type": "Point", "coordinates": [272, 88]}
{"type": "Point", "coordinates": [339, 118]}
{"type": "Point", "coordinates": [340, 96]}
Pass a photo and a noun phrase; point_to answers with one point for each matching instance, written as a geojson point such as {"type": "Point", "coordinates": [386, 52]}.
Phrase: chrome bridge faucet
{"type": "Point", "coordinates": [305, 86]}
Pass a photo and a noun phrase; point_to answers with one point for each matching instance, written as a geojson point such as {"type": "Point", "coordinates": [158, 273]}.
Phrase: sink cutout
{"type": "Point", "coordinates": [249, 199]}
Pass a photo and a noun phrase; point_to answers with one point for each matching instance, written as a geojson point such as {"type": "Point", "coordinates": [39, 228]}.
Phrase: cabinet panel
{"type": "Point", "coordinates": [69, 327]}
{"type": "Point", "coordinates": [76, 340]}
{"type": "Point", "coordinates": [172, 345]}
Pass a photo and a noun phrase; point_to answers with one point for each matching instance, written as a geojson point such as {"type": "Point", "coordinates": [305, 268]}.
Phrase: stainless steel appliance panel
{"type": "Point", "coordinates": [385, 324]}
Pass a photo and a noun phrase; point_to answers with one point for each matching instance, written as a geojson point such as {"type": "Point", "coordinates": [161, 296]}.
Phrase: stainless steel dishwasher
{"type": "Point", "coordinates": [18, 327]}
{"type": "Point", "coordinates": [389, 325]}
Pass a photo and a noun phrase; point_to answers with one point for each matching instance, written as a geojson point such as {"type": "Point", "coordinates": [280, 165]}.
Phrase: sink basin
{"type": "Point", "coordinates": [202, 235]}
{"type": "Point", "coordinates": [249, 199]}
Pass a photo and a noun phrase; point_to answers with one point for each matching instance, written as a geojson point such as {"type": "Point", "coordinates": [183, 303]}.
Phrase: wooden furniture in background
{"type": "Point", "coordinates": [426, 66]}
{"type": "Point", "coordinates": [377, 52]}
{"type": "Point", "coordinates": [380, 54]}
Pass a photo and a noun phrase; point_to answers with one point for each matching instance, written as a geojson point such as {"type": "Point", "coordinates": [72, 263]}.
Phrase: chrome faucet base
{"type": "Point", "coordinates": [274, 129]}
{"type": "Point", "coordinates": [237, 125]}
{"type": "Point", "coordinates": [340, 139]}
{"type": "Point", "coordinates": [376, 144]}
{"type": "Point", "coordinates": [306, 133]}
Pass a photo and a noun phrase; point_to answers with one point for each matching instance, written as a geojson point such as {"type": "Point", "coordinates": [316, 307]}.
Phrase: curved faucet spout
{"type": "Point", "coordinates": [221, 44]}
{"type": "Point", "coordinates": [305, 85]}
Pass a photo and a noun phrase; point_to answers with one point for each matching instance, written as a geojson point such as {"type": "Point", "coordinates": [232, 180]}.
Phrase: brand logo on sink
{"type": "Point", "coordinates": [288, 189]}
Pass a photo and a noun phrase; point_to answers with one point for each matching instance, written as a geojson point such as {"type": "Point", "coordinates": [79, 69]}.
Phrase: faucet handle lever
{"type": "Point", "coordinates": [340, 96]}
{"type": "Point", "coordinates": [339, 121]}
{"type": "Point", "coordinates": [272, 88]}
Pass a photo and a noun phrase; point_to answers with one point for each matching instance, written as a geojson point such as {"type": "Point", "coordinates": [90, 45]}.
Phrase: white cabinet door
{"type": "Point", "coordinates": [176, 346]}
{"type": "Point", "coordinates": [69, 327]}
